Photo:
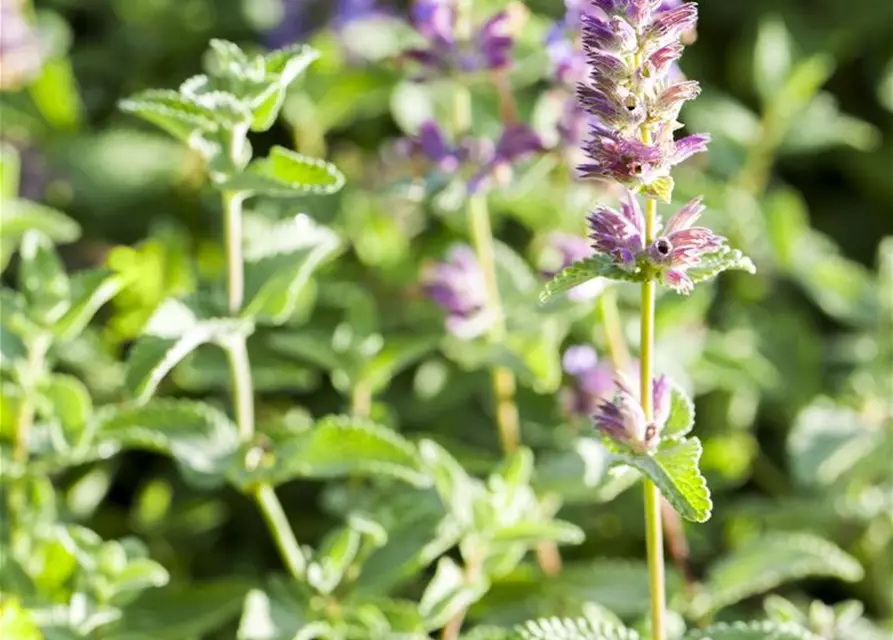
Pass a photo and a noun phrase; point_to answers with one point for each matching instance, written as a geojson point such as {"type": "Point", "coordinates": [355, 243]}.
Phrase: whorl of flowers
{"type": "Point", "coordinates": [622, 420]}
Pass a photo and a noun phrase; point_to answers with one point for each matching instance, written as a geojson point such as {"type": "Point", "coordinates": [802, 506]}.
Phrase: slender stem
{"type": "Point", "coordinates": [507, 420]}
{"type": "Point", "coordinates": [282, 532]}
{"type": "Point", "coordinates": [36, 353]}
{"type": "Point", "coordinates": [235, 272]}
{"type": "Point", "coordinates": [653, 526]}
{"type": "Point", "coordinates": [361, 400]}
{"type": "Point", "coordinates": [242, 387]}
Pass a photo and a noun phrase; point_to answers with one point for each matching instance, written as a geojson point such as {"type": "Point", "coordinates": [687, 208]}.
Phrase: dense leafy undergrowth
{"type": "Point", "coordinates": [308, 342]}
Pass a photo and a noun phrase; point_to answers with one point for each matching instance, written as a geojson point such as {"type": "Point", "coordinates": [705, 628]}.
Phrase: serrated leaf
{"type": "Point", "coordinates": [449, 592]}
{"type": "Point", "coordinates": [827, 441]}
{"type": "Point", "coordinates": [153, 356]}
{"type": "Point", "coordinates": [275, 280]}
{"type": "Point", "coordinates": [21, 216]}
{"type": "Point", "coordinates": [177, 113]}
{"type": "Point", "coordinates": [337, 552]}
{"type": "Point", "coordinates": [339, 446]}
{"type": "Point", "coordinates": [285, 174]}
{"type": "Point", "coordinates": [598, 266]}
{"type": "Point", "coordinates": [573, 629]}
{"type": "Point", "coordinates": [70, 402]}
{"type": "Point", "coordinates": [712, 264]}
{"type": "Point", "coordinates": [674, 470]}
{"type": "Point", "coordinates": [457, 490]}
{"type": "Point", "coordinates": [290, 62]}
{"type": "Point", "coordinates": [42, 278]}
{"type": "Point", "coordinates": [769, 561]}
{"type": "Point", "coordinates": [760, 630]}
{"type": "Point", "coordinates": [202, 440]}
{"type": "Point", "coordinates": [534, 532]}
{"type": "Point", "coordinates": [189, 611]}
{"type": "Point", "coordinates": [90, 290]}
{"type": "Point", "coordinates": [681, 419]}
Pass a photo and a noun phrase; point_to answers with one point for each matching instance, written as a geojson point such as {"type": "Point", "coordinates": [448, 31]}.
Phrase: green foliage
{"type": "Point", "coordinates": [288, 444]}
{"type": "Point", "coordinates": [769, 561]}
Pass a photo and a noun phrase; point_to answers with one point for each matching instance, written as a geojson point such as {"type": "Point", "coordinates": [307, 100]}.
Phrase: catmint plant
{"type": "Point", "coordinates": [631, 100]}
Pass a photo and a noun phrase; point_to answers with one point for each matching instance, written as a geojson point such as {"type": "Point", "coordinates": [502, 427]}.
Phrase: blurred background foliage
{"type": "Point", "coordinates": [791, 368]}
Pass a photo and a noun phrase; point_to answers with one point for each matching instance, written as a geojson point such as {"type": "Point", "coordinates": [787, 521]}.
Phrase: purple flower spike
{"type": "Point", "coordinates": [431, 144]}
{"type": "Point", "coordinates": [457, 286]}
{"type": "Point", "coordinates": [489, 49]}
{"type": "Point", "coordinates": [681, 246]}
{"type": "Point", "coordinates": [619, 234]}
{"type": "Point", "coordinates": [517, 142]}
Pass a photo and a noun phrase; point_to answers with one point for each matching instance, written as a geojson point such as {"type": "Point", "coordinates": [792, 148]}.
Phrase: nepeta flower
{"type": "Point", "coordinates": [631, 46]}
{"type": "Point", "coordinates": [561, 251]}
{"type": "Point", "coordinates": [622, 420]}
{"type": "Point", "coordinates": [677, 248]}
{"type": "Point", "coordinates": [457, 286]}
{"type": "Point", "coordinates": [489, 48]}
{"type": "Point", "coordinates": [517, 142]}
{"type": "Point", "coordinates": [489, 163]}
{"type": "Point", "coordinates": [22, 52]}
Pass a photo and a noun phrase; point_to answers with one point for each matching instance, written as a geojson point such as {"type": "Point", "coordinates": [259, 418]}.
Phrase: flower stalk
{"type": "Point", "coordinates": [241, 384]}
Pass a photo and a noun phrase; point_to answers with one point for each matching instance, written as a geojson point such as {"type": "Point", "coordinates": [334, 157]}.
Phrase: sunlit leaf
{"type": "Point", "coordinates": [752, 631]}
{"type": "Point", "coordinates": [598, 266]}
{"type": "Point", "coordinates": [287, 174]}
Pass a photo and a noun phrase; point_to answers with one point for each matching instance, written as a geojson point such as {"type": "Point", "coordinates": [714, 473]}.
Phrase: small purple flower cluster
{"type": "Point", "coordinates": [678, 247]}
{"type": "Point", "coordinates": [622, 420]}
{"type": "Point", "coordinates": [489, 49]}
{"type": "Point", "coordinates": [457, 286]}
{"type": "Point", "coordinates": [489, 164]}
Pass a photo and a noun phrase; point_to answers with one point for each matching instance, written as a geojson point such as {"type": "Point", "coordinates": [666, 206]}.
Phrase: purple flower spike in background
{"type": "Point", "coordinates": [431, 144]}
{"type": "Point", "coordinates": [457, 286]}
{"type": "Point", "coordinates": [489, 48]}
{"type": "Point", "coordinates": [22, 51]}
{"type": "Point", "coordinates": [593, 380]}
{"type": "Point", "coordinates": [681, 246]}
{"type": "Point", "coordinates": [517, 142]}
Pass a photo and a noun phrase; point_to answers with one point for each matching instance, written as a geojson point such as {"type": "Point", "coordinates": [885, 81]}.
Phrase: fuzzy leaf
{"type": "Point", "coordinates": [534, 532]}
{"type": "Point", "coordinates": [339, 446]}
{"type": "Point", "coordinates": [176, 113]}
{"type": "Point", "coordinates": [761, 630]}
{"type": "Point", "coordinates": [457, 490]}
{"type": "Point", "coordinates": [674, 469]}
{"type": "Point", "coordinates": [827, 441]}
{"type": "Point", "coordinates": [42, 277]}
{"type": "Point", "coordinates": [573, 629]}
{"type": "Point", "coordinates": [337, 553]}
{"type": "Point", "coordinates": [769, 561]}
{"type": "Point", "coordinates": [201, 439]}
{"type": "Point", "coordinates": [21, 216]}
{"type": "Point", "coordinates": [70, 402]}
{"type": "Point", "coordinates": [275, 279]}
{"type": "Point", "coordinates": [181, 332]}
{"type": "Point", "coordinates": [449, 592]}
{"type": "Point", "coordinates": [724, 259]}
{"type": "Point", "coordinates": [90, 290]}
{"type": "Point", "coordinates": [290, 62]}
{"type": "Point", "coordinates": [598, 266]}
{"type": "Point", "coordinates": [682, 415]}
{"type": "Point", "coordinates": [285, 174]}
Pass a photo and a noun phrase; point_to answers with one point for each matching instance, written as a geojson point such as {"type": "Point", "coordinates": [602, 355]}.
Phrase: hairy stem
{"type": "Point", "coordinates": [242, 387]}
{"type": "Point", "coordinates": [653, 520]}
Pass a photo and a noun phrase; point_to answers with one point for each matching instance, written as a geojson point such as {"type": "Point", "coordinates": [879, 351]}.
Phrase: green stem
{"type": "Point", "coordinates": [282, 532]}
{"type": "Point", "coordinates": [653, 525]}
{"type": "Point", "coordinates": [242, 387]}
{"type": "Point", "coordinates": [507, 420]}
{"type": "Point", "coordinates": [610, 317]}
